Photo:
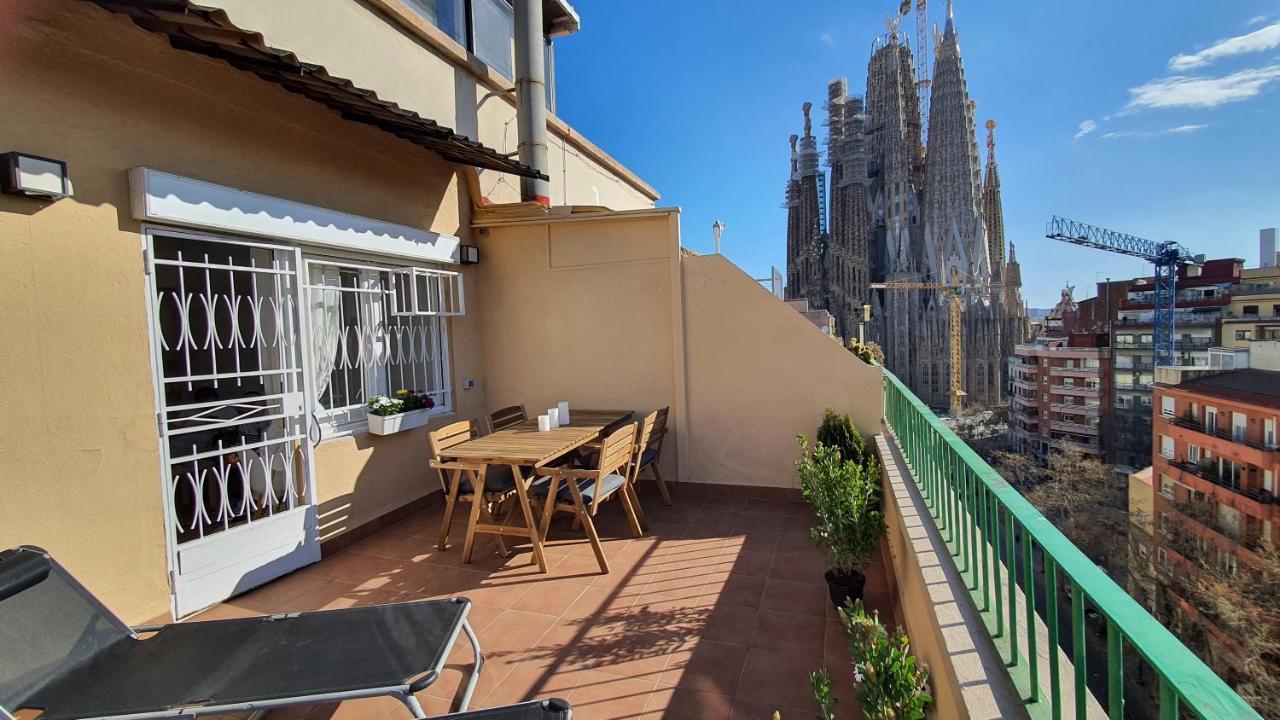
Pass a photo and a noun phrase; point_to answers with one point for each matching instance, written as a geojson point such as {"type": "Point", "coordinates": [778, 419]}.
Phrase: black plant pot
{"type": "Point", "coordinates": [845, 588]}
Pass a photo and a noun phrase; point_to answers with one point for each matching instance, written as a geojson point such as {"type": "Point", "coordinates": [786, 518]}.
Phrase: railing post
{"type": "Point", "coordinates": [1011, 564]}
{"type": "Point", "coordinates": [1051, 619]}
{"type": "Point", "coordinates": [993, 527]}
{"type": "Point", "coordinates": [1115, 671]}
{"type": "Point", "coordinates": [1168, 700]}
{"type": "Point", "coordinates": [1077, 650]}
{"type": "Point", "coordinates": [1029, 593]}
{"type": "Point", "coordinates": [983, 506]}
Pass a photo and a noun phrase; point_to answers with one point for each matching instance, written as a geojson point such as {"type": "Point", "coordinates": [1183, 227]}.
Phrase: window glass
{"type": "Point", "coordinates": [494, 30]}
{"type": "Point", "coordinates": [448, 15]}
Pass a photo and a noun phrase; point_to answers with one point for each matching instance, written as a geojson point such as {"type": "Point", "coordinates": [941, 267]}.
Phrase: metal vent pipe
{"type": "Point", "coordinates": [531, 93]}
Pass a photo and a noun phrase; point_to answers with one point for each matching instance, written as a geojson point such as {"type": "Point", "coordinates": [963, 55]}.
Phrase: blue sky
{"type": "Point", "coordinates": [699, 97]}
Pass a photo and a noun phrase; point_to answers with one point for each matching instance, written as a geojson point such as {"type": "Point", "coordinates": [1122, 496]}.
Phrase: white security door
{"type": "Point", "coordinates": [231, 396]}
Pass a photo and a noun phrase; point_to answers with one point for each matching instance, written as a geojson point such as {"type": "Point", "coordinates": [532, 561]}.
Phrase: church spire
{"type": "Point", "coordinates": [992, 207]}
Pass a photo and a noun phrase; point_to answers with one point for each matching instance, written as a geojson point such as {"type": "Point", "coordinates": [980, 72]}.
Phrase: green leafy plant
{"type": "Point", "coordinates": [402, 401]}
{"type": "Point", "coordinates": [843, 496]}
{"type": "Point", "coordinates": [889, 682]}
{"type": "Point", "coordinates": [868, 352]}
{"type": "Point", "coordinates": [838, 431]}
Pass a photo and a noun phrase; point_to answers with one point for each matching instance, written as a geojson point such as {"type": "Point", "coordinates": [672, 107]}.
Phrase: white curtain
{"type": "Point", "coordinates": [325, 313]}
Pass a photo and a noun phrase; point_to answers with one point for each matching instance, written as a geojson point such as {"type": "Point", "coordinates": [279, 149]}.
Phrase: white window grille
{"type": "Point", "coordinates": [375, 330]}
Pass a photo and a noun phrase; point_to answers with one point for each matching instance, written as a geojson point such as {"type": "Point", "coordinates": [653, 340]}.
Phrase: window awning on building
{"type": "Point", "coordinates": [210, 32]}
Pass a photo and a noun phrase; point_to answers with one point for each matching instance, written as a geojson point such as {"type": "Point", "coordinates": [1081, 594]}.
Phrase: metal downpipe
{"type": "Point", "coordinates": [531, 93]}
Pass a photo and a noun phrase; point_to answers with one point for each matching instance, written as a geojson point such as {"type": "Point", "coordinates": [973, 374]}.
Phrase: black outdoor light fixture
{"type": "Point", "coordinates": [468, 254]}
{"type": "Point", "coordinates": [33, 176]}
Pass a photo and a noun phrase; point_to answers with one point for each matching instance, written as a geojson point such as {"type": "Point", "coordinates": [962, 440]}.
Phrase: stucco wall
{"type": "Point", "coordinates": [581, 310]}
{"type": "Point", "coordinates": [759, 373]}
{"type": "Point", "coordinates": [79, 458]}
{"type": "Point", "coordinates": [382, 51]}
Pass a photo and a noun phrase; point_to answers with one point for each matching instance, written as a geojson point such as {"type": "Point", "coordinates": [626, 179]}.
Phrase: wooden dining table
{"type": "Point", "coordinates": [524, 447]}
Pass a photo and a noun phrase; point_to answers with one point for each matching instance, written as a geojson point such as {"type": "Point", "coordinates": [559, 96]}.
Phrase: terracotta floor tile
{"type": "Point", "coordinates": [549, 598]}
{"type": "Point", "coordinates": [709, 667]}
{"type": "Point", "coordinates": [746, 562]}
{"type": "Point", "coordinates": [741, 590]}
{"type": "Point", "coordinates": [791, 634]}
{"type": "Point", "coordinates": [602, 696]}
{"type": "Point", "coordinates": [676, 703]}
{"type": "Point", "coordinates": [719, 611]}
{"type": "Point", "coordinates": [794, 597]}
{"type": "Point", "coordinates": [777, 679]}
{"type": "Point", "coordinates": [807, 567]}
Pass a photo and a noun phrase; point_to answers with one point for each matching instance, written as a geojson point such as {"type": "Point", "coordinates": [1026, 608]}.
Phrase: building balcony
{"type": "Point", "coordinates": [1207, 480]}
{"type": "Point", "coordinates": [1075, 391]}
{"type": "Point", "coordinates": [1074, 372]}
{"type": "Point", "coordinates": [1093, 410]}
{"type": "Point", "coordinates": [1024, 384]}
{"type": "Point", "coordinates": [1086, 448]}
{"type": "Point", "coordinates": [1071, 427]}
{"type": "Point", "coordinates": [1135, 367]}
{"type": "Point", "coordinates": [1220, 443]}
{"type": "Point", "coordinates": [1024, 402]}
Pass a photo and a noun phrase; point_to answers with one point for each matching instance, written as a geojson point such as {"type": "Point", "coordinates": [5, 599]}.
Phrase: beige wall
{"type": "Point", "coordinates": [581, 310]}
{"type": "Point", "coordinates": [759, 373]}
{"type": "Point", "coordinates": [395, 54]}
{"type": "Point", "coordinates": [79, 458]}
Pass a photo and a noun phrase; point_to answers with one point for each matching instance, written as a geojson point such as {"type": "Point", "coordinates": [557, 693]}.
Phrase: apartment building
{"type": "Point", "coordinates": [1254, 309]}
{"type": "Point", "coordinates": [1060, 387]}
{"type": "Point", "coordinates": [1204, 294]}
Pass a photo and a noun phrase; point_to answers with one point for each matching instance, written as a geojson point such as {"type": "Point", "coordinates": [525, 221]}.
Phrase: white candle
{"type": "Point", "coordinates": [554, 414]}
{"type": "Point", "coordinates": [564, 412]}
{"type": "Point", "coordinates": [544, 423]}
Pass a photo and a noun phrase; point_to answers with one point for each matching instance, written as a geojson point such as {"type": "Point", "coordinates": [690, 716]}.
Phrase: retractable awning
{"type": "Point", "coordinates": [210, 32]}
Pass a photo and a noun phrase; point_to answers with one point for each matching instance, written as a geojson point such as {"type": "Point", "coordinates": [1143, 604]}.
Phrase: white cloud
{"type": "Point", "coordinates": [828, 39]}
{"type": "Point", "coordinates": [1201, 92]}
{"type": "Point", "coordinates": [1179, 130]}
{"type": "Point", "coordinates": [1257, 20]}
{"type": "Point", "coordinates": [1086, 127]}
{"type": "Point", "coordinates": [1260, 40]}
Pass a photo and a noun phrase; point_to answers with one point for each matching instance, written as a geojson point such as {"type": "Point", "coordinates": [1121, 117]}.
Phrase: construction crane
{"type": "Point", "coordinates": [954, 290]}
{"type": "Point", "coordinates": [1166, 256]}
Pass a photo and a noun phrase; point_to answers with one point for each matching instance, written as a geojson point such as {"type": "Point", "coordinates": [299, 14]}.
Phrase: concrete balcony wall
{"type": "Point", "coordinates": [758, 374]}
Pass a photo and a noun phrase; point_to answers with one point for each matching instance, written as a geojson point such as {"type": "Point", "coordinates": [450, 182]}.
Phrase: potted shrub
{"type": "Point", "coordinates": [401, 411]}
{"type": "Point", "coordinates": [843, 496]}
{"type": "Point", "coordinates": [889, 682]}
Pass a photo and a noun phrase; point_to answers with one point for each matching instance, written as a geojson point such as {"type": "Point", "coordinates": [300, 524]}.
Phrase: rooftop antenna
{"type": "Point", "coordinates": [717, 229]}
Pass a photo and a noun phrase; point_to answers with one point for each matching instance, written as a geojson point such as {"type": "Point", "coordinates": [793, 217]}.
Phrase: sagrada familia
{"type": "Point", "coordinates": [903, 211]}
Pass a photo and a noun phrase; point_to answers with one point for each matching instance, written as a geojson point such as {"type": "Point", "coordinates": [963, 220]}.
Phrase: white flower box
{"type": "Point", "coordinates": [391, 424]}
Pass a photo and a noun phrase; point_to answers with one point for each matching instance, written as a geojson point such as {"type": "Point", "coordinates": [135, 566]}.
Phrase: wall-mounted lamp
{"type": "Point", "coordinates": [468, 254]}
{"type": "Point", "coordinates": [33, 176]}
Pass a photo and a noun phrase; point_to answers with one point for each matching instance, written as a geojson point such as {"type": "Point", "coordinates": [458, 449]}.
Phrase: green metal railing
{"type": "Point", "coordinates": [981, 518]}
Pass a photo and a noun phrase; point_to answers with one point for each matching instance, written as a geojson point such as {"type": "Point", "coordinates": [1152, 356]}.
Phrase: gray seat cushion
{"type": "Point", "coordinates": [497, 479]}
{"type": "Point", "coordinates": [647, 457]}
{"type": "Point", "coordinates": [586, 486]}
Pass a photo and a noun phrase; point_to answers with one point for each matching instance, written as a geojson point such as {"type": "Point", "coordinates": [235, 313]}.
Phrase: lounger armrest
{"type": "Point", "coordinates": [144, 629]}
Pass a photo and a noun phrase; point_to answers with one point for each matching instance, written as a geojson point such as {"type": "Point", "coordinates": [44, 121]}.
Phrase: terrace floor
{"type": "Point", "coordinates": [719, 611]}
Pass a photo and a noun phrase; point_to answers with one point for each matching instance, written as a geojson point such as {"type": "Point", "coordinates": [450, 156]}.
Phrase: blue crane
{"type": "Point", "coordinates": [1167, 257]}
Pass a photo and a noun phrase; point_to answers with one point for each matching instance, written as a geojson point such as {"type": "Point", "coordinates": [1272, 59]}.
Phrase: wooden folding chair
{"type": "Point", "coordinates": [649, 450]}
{"type": "Point", "coordinates": [505, 418]}
{"type": "Point", "coordinates": [583, 489]}
{"type": "Point", "coordinates": [499, 484]}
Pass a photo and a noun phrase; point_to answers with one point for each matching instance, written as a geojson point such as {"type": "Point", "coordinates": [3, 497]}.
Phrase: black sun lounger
{"type": "Point", "coordinates": [554, 709]}
{"type": "Point", "coordinates": [64, 654]}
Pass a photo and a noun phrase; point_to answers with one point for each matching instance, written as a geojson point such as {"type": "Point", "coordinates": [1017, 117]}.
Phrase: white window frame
{"type": "Point", "coordinates": [1193, 453]}
{"type": "Point", "coordinates": [352, 419]}
{"type": "Point", "coordinates": [1166, 447]}
{"type": "Point", "coordinates": [1166, 486]}
{"type": "Point", "coordinates": [1167, 406]}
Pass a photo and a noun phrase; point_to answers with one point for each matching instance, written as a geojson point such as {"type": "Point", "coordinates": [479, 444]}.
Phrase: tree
{"type": "Point", "coordinates": [1081, 497]}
